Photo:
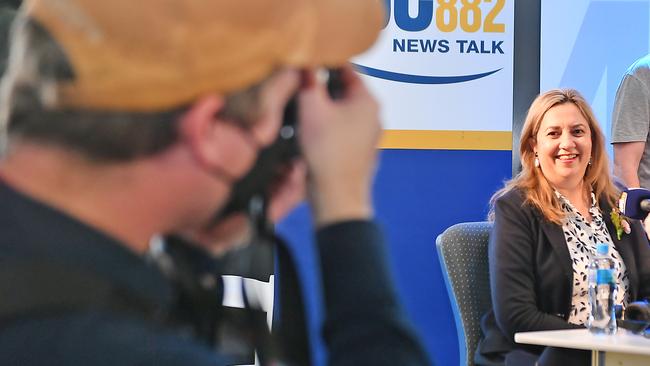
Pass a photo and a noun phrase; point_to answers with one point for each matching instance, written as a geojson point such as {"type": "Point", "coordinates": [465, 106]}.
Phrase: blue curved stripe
{"type": "Point", "coordinates": [419, 79]}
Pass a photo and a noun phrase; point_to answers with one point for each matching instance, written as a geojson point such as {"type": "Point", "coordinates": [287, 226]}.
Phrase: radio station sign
{"type": "Point", "coordinates": [443, 65]}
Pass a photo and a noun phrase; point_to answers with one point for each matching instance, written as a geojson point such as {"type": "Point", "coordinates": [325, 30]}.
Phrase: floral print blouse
{"type": "Point", "coordinates": [581, 238]}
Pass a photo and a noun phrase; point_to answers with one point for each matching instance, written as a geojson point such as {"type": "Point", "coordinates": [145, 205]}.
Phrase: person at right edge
{"type": "Point", "coordinates": [547, 222]}
{"type": "Point", "coordinates": [631, 127]}
{"type": "Point", "coordinates": [128, 120]}
{"type": "Point", "coordinates": [631, 124]}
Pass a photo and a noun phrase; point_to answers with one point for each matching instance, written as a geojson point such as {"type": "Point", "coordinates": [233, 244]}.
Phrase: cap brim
{"type": "Point", "coordinates": [149, 55]}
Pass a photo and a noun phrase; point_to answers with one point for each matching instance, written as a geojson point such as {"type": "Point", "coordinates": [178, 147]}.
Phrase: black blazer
{"type": "Point", "coordinates": [531, 275]}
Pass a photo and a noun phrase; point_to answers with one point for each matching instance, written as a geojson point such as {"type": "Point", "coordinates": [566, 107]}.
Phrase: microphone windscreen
{"type": "Point", "coordinates": [630, 203]}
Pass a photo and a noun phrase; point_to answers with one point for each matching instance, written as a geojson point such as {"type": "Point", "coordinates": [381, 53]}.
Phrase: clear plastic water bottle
{"type": "Point", "coordinates": [602, 292]}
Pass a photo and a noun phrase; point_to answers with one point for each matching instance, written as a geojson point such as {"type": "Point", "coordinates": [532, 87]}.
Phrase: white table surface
{"type": "Point", "coordinates": [623, 341]}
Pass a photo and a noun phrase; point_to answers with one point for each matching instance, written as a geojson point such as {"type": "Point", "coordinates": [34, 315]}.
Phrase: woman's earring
{"type": "Point", "coordinates": [537, 161]}
{"type": "Point", "coordinates": [589, 163]}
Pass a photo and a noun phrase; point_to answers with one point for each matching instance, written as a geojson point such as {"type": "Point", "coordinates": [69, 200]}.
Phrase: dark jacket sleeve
{"type": "Point", "coordinates": [364, 323]}
{"type": "Point", "coordinates": [641, 250]}
{"type": "Point", "coordinates": [513, 280]}
{"type": "Point", "coordinates": [642, 258]}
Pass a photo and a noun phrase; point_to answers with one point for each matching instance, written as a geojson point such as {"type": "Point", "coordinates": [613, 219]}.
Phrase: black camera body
{"type": "Point", "coordinates": [635, 317]}
{"type": "Point", "coordinates": [274, 160]}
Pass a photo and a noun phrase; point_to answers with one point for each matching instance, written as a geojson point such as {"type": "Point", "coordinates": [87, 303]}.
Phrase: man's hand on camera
{"type": "Point", "coordinates": [339, 140]}
{"type": "Point", "coordinates": [290, 192]}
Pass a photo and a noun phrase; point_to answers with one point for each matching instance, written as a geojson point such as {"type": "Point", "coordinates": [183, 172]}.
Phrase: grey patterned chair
{"type": "Point", "coordinates": [462, 251]}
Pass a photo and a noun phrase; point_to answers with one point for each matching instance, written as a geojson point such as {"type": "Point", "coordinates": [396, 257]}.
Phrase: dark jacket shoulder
{"type": "Point", "coordinates": [512, 209]}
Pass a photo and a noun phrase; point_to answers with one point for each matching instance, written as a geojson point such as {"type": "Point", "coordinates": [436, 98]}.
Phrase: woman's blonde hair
{"type": "Point", "coordinates": [537, 191]}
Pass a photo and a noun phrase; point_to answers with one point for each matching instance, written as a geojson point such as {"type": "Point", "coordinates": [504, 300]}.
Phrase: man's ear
{"type": "Point", "coordinates": [198, 129]}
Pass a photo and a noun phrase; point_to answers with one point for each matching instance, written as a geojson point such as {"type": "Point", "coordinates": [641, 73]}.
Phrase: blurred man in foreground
{"type": "Point", "coordinates": [127, 120]}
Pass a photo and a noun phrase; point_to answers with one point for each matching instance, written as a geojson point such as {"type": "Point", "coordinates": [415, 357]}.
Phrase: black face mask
{"type": "Point", "coordinates": [251, 193]}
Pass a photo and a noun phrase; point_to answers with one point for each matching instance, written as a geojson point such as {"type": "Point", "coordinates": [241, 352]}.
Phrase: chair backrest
{"type": "Point", "coordinates": [462, 251]}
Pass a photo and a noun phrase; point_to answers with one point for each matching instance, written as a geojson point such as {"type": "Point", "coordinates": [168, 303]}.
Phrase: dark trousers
{"type": "Point", "coordinates": [552, 356]}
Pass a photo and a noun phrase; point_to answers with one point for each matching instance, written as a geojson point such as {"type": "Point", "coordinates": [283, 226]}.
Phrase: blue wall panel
{"type": "Point", "coordinates": [418, 193]}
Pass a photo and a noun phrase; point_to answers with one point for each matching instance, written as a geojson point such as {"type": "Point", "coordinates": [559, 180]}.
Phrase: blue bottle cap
{"type": "Point", "coordinates": [602, 248]}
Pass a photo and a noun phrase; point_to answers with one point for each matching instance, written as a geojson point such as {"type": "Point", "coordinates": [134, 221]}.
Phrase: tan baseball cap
{"type": "Point", "coordinates": [149, 55]}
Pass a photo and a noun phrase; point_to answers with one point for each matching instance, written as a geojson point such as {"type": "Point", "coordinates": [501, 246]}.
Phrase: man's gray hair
{"type": "Point", "coordinates": [29, 112]}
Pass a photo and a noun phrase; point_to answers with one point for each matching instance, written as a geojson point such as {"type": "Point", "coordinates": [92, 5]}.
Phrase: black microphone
{"type": "Point", "coordinates": [635, 203]}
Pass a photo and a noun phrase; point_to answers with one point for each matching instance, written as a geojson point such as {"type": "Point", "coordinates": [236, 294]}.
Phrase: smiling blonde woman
{"type": "Point", "coordinates": [547, 222]}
